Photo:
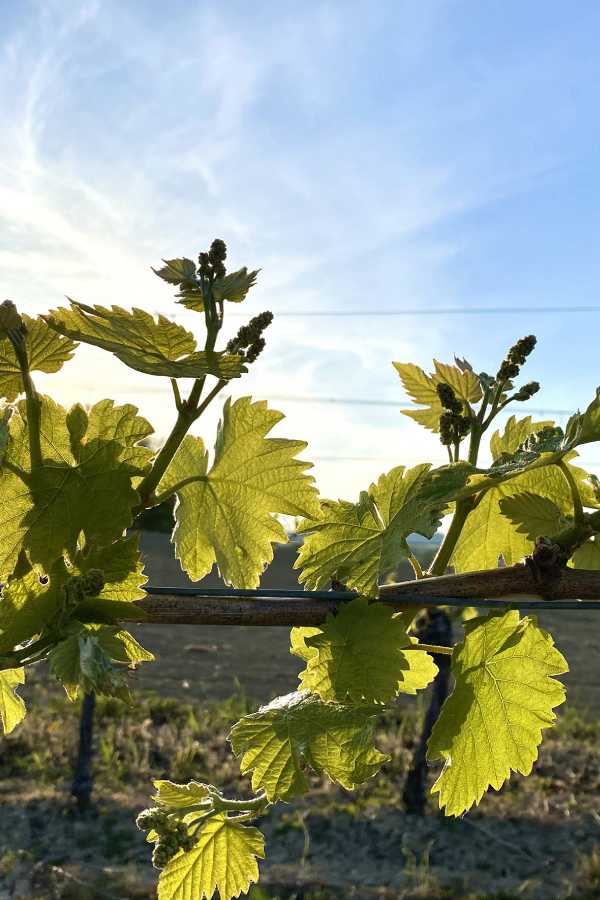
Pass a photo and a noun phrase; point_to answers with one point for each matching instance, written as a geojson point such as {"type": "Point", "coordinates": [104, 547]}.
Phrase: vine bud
{"type": "Point", "coordinates": [527, 391]}
{"type": "Point", "coordinates": [448, 398]}
{"type": "Point", "coordinates": [10, 318]}
{"type": "Point", "coordinates": [218, 251]}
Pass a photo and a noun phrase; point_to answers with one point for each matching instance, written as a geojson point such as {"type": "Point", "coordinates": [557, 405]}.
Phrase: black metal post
{"type": "Point", "coordinates": [83, 780]}
{"type": "Point", "coordinates": [437, 629]}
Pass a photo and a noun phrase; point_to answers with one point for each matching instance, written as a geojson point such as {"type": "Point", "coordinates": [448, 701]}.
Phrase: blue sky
{"type": "Point", "coordinates": [365, 155]}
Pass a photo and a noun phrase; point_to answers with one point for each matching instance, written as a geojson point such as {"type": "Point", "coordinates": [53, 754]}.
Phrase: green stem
{"type": "Point", "coordinates": [160, 498]}
{"type": "Point", "coordinates": [32, 401]}
{"type": "Point", "coordinates": [221, 803]}
{"type": "Point", "coordinates": [430, 648]}
{"type": "Point", "coordinates": [168, 450]}
{"type": "Point", "coordinates": [211, 396]}
{"type": "Point", "coordinates": [416, 566]}
{"type": "Point", "coordinates": [578, 514]}
{"type": "Point", "coordinates": [187, 415]}
{"type": "Point", "coordinates": [442, 557]}
{"type": "Point", "coordinates": [176, 394]}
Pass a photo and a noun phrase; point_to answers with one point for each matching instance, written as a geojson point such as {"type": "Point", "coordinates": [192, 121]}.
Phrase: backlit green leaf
{"type": "Point", "coordinates": [587, 556]}
{"type": "Point", "coordinates": [227, 515]}
{"type": "Point", "coordinates": [359, 543]}
{"type": "Point", "coordinates": [12, 707]}
{"type": "Point", "coordinates": [488, 533]}
{"type": "Point", "coordinates": [223, 860]}
{"type": "Point", "coordinates": [179, 796]}
{"type": "Point", "coordinates": [583, 428]}
{"type": "Point", "coordinates": [361, 656]}
{"type": "Point", "coordinates": [421, 388]}
{"type": "Point", "coordinates": [85, 484]}
{"type": "Point", "coordinates": [504, 695]}
{"type": "Point", "coordinates": [234, 286]}
{"type": "Point", "coordinates": [153, 346]}
{"type": "Point", "coordinates": [47, 351]}
{"type": "Point", "coordinates": [85, 661]}
{"type": "Point", "coordinates": [533, 515]}
{"type": "Point", "coordinates": [516, 431]}
{"type": "Point", "coordinates": [297, 731]}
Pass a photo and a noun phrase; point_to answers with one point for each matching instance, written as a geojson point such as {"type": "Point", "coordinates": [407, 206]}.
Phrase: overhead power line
{"type": "Point", "coordinates": [432, 311]}
{"type": "Point", "coordinates": [367, 401]}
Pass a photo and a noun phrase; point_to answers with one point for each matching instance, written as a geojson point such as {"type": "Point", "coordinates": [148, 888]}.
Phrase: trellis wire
{"type": "Point", "coordinates": [406, 599]}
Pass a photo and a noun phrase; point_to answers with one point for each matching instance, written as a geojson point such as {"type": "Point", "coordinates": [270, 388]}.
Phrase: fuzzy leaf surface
{"type": "Point", "coordinates": [298, 730]}
{"type": "Point", "coordinates": [505, 693]}
{"type": "Point", "coordinates": [153, 346]}
{"type": "Point", "coordinates": [12, 707]}
{"type": "Point", "coordinates": [358, 543]}
{"type": "Point", "coordinates": [47, 351]}
{"type": "Point", "coordinates": [223, 860]}
{"type": "Point", "coordinates": [361, 656]}
{"type": "Point", "coordinates": [227, 515]}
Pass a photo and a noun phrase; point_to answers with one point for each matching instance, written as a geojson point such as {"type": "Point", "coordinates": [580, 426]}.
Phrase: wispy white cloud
{"type": "Point", "coordinates": [129, 134]}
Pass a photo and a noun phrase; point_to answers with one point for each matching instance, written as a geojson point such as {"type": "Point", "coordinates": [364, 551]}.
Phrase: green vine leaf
{"type": "Point", "coordinates": [122, 566]}
{"type": "Point", "coordinates": [234, 286]}
{"type": "Point", "coordinates": [12, 707]}
{"type": "Point", "coordinates": [153, 346]}
{"type": "Point", "coordinates": [223, 860]}
{"type": "Point", "coordinates": [179, 796]}
{"type": "Point", "coordinates": [359, 543]}
{"type": "Point", "coordinates": [360, 656]}
{"type": "Point", "coordinates": [489, 532]}
{"type": "Point", "coordinates": [298, 730]}
{"type": "Point", "coordinates": [84, 661]}
{"type": "Point", "coordinates": [516, 431]}
{"type": "Point", "coordinates": [85, 484]}
{"type": "Point", "coordinates": [587, 556]}
{"type": "Point", "coordinates": [583, 428]}
{"type": "Point", "coordinates": [504, 695]}
{"type": "Point", "coordinates": [47, 351]}
{"type": "Point", "coordinates": [226, 515]}
{"type": "Point", "coordinates": [421, 388]}
{"type": "Point", "coordinates": [177, 271]}
{"type": "Point", "coordinates": [533, 515]}
{"type": "Point", "coordinates": [27, 607]}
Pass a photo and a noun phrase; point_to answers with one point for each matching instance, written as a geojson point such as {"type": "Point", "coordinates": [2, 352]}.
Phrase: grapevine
{"type": "Point", "coordinates": [73, 482]}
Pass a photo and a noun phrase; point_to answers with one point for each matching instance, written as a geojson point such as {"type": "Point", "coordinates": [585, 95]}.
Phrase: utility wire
{"type": "Point", "coordinates": [431, 311]}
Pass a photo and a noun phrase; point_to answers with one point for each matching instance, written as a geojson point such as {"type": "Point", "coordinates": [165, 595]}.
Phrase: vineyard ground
{"type": "Point", "coordinates": [538, 838]}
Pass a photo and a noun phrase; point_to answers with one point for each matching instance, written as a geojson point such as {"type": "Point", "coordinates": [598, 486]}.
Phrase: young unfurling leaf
{"type": "Point", "coordinates": [153, 346]}
{"type": "Point", "coordinates": [46, 350]}
{"type": "Point", "coordinates": [422, 388]}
